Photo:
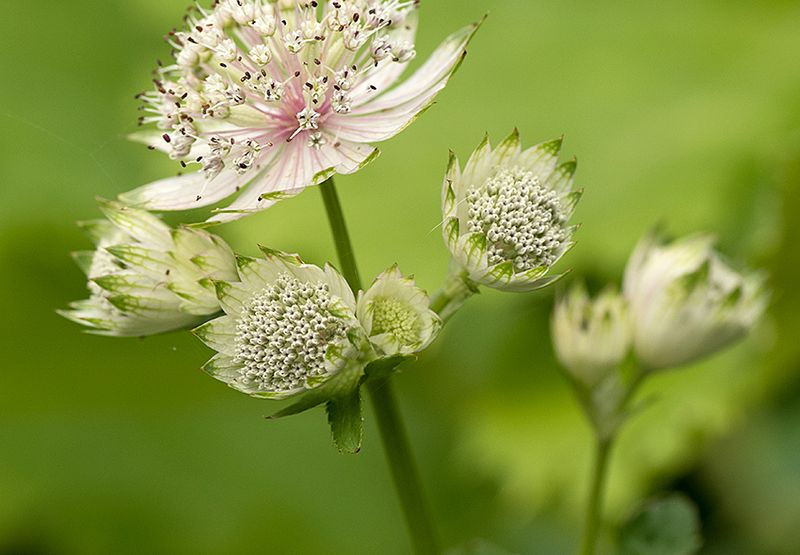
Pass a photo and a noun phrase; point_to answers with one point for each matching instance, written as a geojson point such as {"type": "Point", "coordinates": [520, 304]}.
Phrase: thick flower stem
{"type": "Point", "coordinates": [393, 433]}
{"type": "Point", "coordinates": [595, 501]}
{"type": "Point", "coordinates": [404, 471]}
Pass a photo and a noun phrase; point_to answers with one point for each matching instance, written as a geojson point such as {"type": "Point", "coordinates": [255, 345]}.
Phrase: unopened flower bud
{"type": "Point", "coordinates": [396, 316]}
{"type": "Point", "coordinates": [145, 278]}
{"type": "Point", "coordinates": [686, 303]}
{"type": "Point", "coordinates": [591, 336]}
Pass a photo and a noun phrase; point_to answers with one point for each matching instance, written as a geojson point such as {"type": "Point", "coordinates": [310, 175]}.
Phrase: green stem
{"type": "Point", "coordinates": [341, 237]}
{"type": "Point", "coordinates": [595, 503]}
{"type": "Point", "coordinates": [393, 434]}
{"type": "Point", "coordinates": [404, 471]}
{"type": "Point", "coordinates": [604, 439]}
{"type": "Point", "coordinates": [455, 291]}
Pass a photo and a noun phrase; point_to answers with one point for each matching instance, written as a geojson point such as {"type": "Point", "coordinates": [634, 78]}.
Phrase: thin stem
{"type": "Point", "coordinates": [393, 434]}
{"type": "Point", "coordinates": [604, 439]}
{"type": "Point", "coordinates": [341, 237]}
{"type": "Point", "coordinates": [595, 503]}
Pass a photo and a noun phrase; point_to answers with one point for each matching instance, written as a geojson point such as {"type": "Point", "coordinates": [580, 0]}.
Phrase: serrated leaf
{"type": "Point", "coordinates": [667, 526]}
{"type": "Point", "coordinates": [347, 422]}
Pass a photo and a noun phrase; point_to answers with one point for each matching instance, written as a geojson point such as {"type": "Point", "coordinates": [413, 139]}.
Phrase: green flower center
{"type": "Point", "coordinates": [395, 317]}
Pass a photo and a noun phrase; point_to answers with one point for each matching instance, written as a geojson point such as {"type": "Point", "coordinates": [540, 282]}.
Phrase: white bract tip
{"type": "Point", "coordinates": [591, 336]}
{"type": "Point", "coordinates": [311, 83]}
{"type": "Point", "coordinates": [506, 214]}
{"type": "Point", "coordinates": [396, 316]}
{"type": "Point", "coordinates": [686, 303]}
{"type": "Point", "coordinates": [145, 278]}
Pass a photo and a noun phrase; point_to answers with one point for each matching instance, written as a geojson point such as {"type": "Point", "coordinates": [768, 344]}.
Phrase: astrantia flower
{"type": "Point", "coordinates": [145, 278]}
{"type": "Point", "coordinates": [396, 316]}
{"type": "Point", "coordinates": [685, 302]}
{"type": "Point", "coordinates": [506, 214]}
{"type": "Point", "coordinates": [291, 327]}
{"type": "Point", "coordinates": [296, 330]}
{"type": "Point", "coordinates": [270, 98]}
{"type": "Point", "coordinates": [288, 328]}
{"type": "Point", "coordinates": [591, 336]}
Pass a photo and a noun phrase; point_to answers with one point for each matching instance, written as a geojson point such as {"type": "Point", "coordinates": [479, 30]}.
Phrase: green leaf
{"type": "Point", "coordinates": [307, 401]}
{"type": "Point", "coordinates": [667, 526]}
{"type": "Point", "coordinates": [384, 367]}
{"type": "Point", "coordinates": [347, 422]}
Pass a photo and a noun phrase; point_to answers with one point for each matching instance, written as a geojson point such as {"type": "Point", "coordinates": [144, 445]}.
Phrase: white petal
{"type": "Point", "coordinates": [188, 191]}
{"type": "Point", "coordinates": [388, 71]}
{"type": "Point", "coordinates": [390, 113]}
{"type": "Point", "coordinates": [298, 167]}
{"type": "Point", "coordinates": [433, 74]}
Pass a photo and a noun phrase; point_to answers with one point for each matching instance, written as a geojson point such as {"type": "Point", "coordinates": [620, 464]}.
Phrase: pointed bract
{"type": "Point", "coordinates": [591, 336]}
{"type": "Point", "coordinates": [396, 315]}
{"type": "Point", "coordinates": [144, 278]}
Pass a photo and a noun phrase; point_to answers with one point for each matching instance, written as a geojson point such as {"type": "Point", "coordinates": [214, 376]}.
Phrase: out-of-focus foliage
{"type": "Point", "coordinates": [668, 526]}
{"type": "Point", "coordinates": [683, 113]}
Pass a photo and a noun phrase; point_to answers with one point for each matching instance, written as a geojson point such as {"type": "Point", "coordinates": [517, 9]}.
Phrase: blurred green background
{"type": "Point", "coordinates": [686, 113]}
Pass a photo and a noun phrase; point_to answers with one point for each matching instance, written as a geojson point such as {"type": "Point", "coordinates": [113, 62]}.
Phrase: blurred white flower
{"type": "Point", "coordinates": [685, 302]}
{"type": "Point", "coordinates": [268, 99]}
{"type": "Point", "coordinates": [591, 336]}
{"type": "Point", "coordinates": [396, 316]}
{"type": "Point", "coordinates": [146, 278]}
{"type": "Point", "coordinates": [506, 215]}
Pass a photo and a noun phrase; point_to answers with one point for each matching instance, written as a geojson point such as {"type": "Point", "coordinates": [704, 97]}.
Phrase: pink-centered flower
{"type": "Point", "coordinates": [265, 99]}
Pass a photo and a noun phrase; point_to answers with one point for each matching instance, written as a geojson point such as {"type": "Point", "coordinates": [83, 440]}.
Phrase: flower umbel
{"type": "Point", "coordinates": [288, 328]}
{"type": "Point", "coordinates": [269, 98]}
{"type": "Point", "coordinates": [294, 330]}
{"type": "Point", "coordinates": [396, 316]}
{"type": "Point", "coordinates": [686, 303]}
{"type": "Point", "coordinates": [145, 278]}
{"type": "Point", "coordinates": [591, 336]}
{"type": "Point", "coordinates": [506, 214]}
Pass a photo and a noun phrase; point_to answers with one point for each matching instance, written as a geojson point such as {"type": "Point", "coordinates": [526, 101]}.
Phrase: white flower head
{"type": "Point", "coordinates": [686, 302]}
{"type": "Point", "coordinates": [396, 316]}
{"type": "Point", "coordinates": [288, 328]}
{"type": "Point", "coordinates": [591, 336]}
{"type": "Point", "coordinates": [308, 85]}
{"type": "Point", "coordinates": [146, 278]}
{"type": "Point", "coordinates": [506, 214]}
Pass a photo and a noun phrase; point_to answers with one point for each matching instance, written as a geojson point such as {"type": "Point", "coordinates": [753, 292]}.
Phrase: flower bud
{"type": "Point", "coordinates": [685, 302]}
{"type": "Point", "coordinates": [591, 336]}
{"type": "Point", "coordinates": [505, 215]}
{"type": "Point", "coordinates": [145, 278]}
{"type": "Point", "coordinates": [396, 316]}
